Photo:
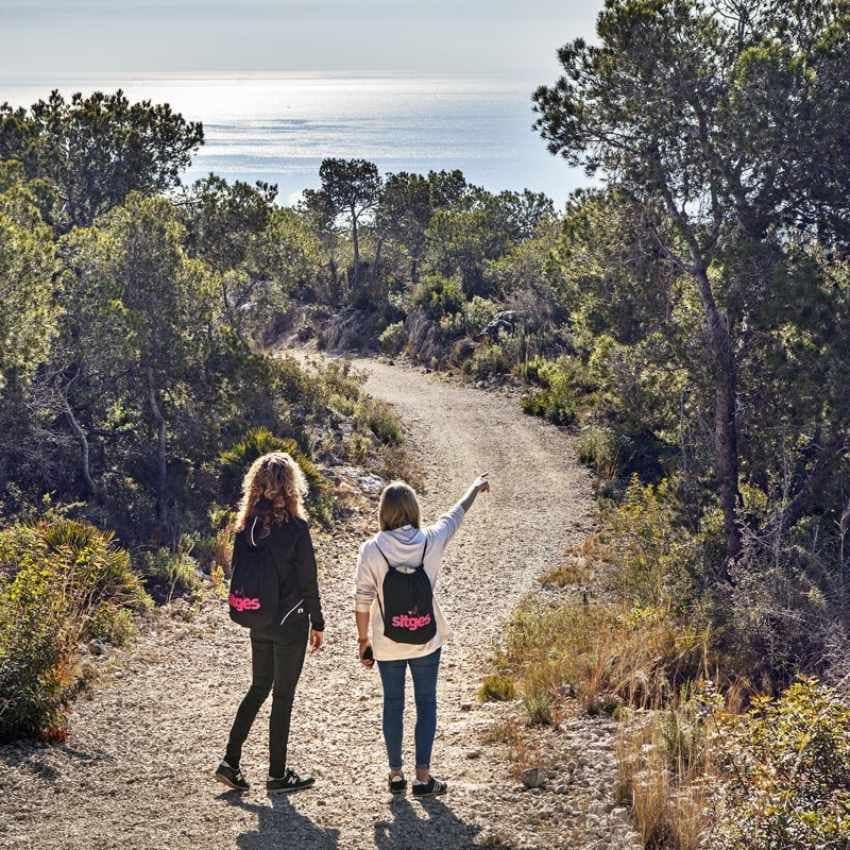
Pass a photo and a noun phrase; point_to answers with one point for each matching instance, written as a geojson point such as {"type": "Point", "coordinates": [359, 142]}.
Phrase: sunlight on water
{"type": "Point", "coordinates": [279, 130]}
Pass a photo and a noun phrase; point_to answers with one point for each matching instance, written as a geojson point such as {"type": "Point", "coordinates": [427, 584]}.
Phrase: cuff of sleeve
{"type": "Point", "coordinates": [363, 607]}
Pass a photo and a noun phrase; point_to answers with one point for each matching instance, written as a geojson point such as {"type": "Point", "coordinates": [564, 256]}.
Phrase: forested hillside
{"type": "Point", "coordinates": [687, 315]}
{"type": "Point", "coordinates": [133, 392]}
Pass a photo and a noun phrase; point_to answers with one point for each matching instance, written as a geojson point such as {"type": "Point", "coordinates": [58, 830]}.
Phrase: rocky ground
{"type": "Point", "coordinates": [136, 770]}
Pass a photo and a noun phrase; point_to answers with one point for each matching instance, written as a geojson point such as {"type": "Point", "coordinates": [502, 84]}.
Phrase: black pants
{"type": "Point", "coordinates": [276, 666]}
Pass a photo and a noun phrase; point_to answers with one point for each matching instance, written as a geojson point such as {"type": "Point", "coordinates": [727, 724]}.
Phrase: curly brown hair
{"type": "Point", "coordinates": [276, 478]}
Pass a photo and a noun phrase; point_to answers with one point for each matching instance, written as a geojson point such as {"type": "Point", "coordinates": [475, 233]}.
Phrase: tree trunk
{"type": "Point", "coordinates": [162, 462]}
{"type": "Point", "coordinates": [376, 264]}
{"type": "Point", "coordinates": [356, 242]}
{"type": "Point", "coordinates": [725, 416]}
{"type": "Point", "coordinates": [85, 453]}
{"type": "Point", "coordinates": [231, 317]}
{"type": "Point", "coordinates": [726, 450]}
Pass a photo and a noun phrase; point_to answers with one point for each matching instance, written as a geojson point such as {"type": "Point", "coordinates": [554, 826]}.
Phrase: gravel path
{"type": "Point", "coordinates": [135, 772]}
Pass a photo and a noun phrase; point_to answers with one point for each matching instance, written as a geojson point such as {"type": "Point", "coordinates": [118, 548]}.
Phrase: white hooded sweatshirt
{"type": "Point", "coordinates": [403, 547]}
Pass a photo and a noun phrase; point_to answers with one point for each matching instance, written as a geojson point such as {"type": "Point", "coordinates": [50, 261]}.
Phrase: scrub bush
{"type": "Point", "coordinates": [497, 688]}
{"type": "Point", "coordinates": [786, 773]}
{"type": "Point", "coordinates": [560, 384]}
{"type": "Point", "coordinates": [170, 573]}
{"type": "Point", "coordinates": [63, 582]}
{"type": "Point", "coordinates": [480, 312]}
{"type": "Point", "coordinates": [379, 418]}
{"type": "Point", "coordinates": [439, 296]}
{"type": "Point", "coordinates": [234, 463]}
{"type": "Point", "coordinates": [487, 360]}
{"type": "Point", "coordinates": [393, 338]}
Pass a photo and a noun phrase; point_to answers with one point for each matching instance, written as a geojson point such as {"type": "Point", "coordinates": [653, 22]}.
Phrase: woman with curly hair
{"type": "Point", "coordinates": [271, 529]}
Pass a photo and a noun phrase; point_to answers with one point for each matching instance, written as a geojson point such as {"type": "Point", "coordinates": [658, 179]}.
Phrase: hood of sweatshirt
{"type": "Point", "coordinates": [402, 547]}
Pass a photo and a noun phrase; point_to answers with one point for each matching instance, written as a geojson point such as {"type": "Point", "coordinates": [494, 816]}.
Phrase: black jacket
{"type": "Point", "coordinates": [290, 548]}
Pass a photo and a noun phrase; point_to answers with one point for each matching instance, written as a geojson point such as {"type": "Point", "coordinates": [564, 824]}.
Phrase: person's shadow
{"type": "Point", "coordinates": [280, 826]}
{"type": "Point", "coordinates": [441, 829]}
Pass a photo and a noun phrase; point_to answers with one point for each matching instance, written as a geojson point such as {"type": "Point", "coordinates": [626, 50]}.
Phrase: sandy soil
{"type": "Point", "coordinates": [136, 770]}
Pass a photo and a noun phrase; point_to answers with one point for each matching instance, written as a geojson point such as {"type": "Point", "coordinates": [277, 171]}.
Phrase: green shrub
{"type": "Point", "coordinates": [63, 580]}
{"type": "Point", "coordinates": [656, 557]}
{"type": "Point", "coordinates": [357, 447]}
{"type": "Point", "coordinates": [497, 688]}
{"type": "Point", "coordinates": [112, 624]}
{"type": "Point", "coordinates": [561, 382]}
{"type": "Point", "coordinates": [785, 614]}
{"type": "Point", "coordinates": [393, 338]}
{"type": "Point", "coordinates": [558, 409]}
{"type": "Point", "coordinates": [439, 296]}
{"type": "Point", "coordinates": [379, 418]}
{"type": "Point", "coordinates": [487, 360]}
{"type": "Point", "coordinates": [787, 773]}
{"type": "Point", "coordinates": [452, 325]}
{"type": "Point", "coordinates": [234, 463]}
{"type": "Point", "coordinates": [340, 379]}
{"type": "Point", "coordinates": [479, 313]}
{"type": "Point", "coordinates": [169, 574]}
{"type": "Point", "coordinates": [597, 448]}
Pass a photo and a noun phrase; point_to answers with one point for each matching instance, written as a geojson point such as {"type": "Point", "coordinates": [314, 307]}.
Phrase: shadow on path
{"type": "Point", "coordinates": [439, 829]}
{"type": "Point", "coordinates": [280, 826]}
{"type": "Point", "coordinates": [33, 757]}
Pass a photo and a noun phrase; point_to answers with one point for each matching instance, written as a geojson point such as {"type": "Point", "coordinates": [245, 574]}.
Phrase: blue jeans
{"type": "Point", "coordinates": [424, 671]}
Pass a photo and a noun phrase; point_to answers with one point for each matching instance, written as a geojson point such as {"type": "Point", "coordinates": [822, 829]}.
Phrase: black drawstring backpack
{"type": "Point", "coordinates": [408, 610]}
{"type": "Point", "coordinates": [254, 585]}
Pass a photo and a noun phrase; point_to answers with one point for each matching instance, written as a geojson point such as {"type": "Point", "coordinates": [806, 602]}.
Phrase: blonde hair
{"type": "Point", "coordinates": [279, 479]}
{"type": "Point", "coordinates": [398, 507]}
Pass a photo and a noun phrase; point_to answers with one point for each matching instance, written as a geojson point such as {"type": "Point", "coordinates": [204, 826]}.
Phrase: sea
{"type": "Point", "coordinates": [279, 128]}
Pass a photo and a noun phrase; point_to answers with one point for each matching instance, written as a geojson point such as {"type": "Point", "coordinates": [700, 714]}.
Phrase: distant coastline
{"type": "Point", "coordinates": [278, 126]}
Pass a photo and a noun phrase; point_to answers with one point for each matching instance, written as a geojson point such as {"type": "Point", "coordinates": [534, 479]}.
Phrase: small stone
{"type": "Point", "coordinates": [533, 777]}
{"type": "Point", "coordinates": [96, 647]}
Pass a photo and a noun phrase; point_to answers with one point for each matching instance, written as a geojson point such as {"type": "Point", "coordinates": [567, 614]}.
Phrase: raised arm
{"type": "Point", "coordinates": [480, 485]}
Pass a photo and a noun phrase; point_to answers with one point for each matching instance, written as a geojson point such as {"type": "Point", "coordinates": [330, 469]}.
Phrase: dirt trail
{"type": "Point", "coordinates": [135, 772]}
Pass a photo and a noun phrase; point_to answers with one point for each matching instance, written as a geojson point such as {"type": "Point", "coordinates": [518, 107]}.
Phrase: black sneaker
{"type": "Point", "coordinates": [231, 777]}
{"type": "Point", "coordinates": [289, 782]}
{"type": "Point", "coordinates": [397, 784]}
{"type": "Point", "coordinates": [431, 788]}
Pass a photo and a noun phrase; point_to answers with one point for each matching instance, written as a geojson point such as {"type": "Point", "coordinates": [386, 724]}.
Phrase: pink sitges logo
{"type": "Point", "coordinates": [411, 623]}
{"type": "Point", "coordinates": [243, 603]}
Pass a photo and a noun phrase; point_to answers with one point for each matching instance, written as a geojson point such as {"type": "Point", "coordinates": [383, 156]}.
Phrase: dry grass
{"type": "Point", "coordinates": [398, 464]}
{"type": "Point", "coordinates": [572, 573]}
{"type": "Point", "coordinates": [223, 551]}
{"type": "Point", "coordinates": [523, 750]}
{"type": "Point", "coordinates": [607, 654]}
{"type": "Point", "coordinates": [666, 784]}
{"type": "Point", "coordinates": [582, 565]}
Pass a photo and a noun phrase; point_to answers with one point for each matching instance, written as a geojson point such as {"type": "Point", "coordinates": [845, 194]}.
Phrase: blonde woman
{"type": "Point", "coordinates": [272, 533]}
{"type": "Point", "coordinates": [397, 575]}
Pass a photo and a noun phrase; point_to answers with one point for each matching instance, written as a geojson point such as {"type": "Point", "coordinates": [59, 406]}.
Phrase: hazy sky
{"type": "Point", "coordinates": [516, 37]}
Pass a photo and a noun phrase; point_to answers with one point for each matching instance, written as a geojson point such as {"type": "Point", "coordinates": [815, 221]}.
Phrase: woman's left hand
{"type": "Point", "coordinates": [317, 640]}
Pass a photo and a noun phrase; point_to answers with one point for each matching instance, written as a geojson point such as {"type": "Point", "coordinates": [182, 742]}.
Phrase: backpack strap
{"type": "Point", "coordinates": [384, 556]}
